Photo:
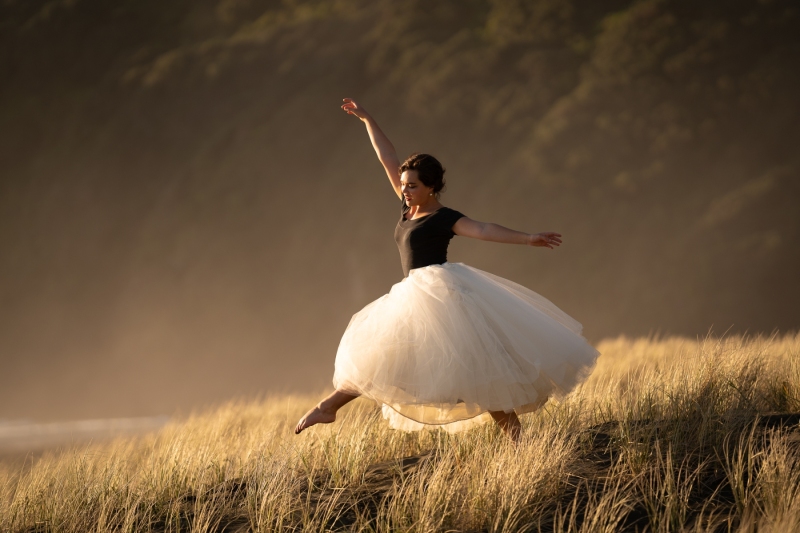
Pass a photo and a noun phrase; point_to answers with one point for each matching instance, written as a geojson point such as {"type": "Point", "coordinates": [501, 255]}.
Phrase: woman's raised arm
{"type": "Point", "coordinates": [383, 147]}
{"type": "Point", "coordinates": [488, 231]}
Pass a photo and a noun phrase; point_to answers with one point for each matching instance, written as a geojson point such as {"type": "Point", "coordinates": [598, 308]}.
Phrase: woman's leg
{"type": "Point", "coordinates": [325, 411]}
{"type": "Point", "coordinates": [509, 423]}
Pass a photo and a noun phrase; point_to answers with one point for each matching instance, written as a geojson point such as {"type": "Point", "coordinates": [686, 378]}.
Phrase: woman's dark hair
{"type": "Point", "coordinates": [429, 170]}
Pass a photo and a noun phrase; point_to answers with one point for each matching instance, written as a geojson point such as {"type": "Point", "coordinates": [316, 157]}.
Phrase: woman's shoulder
{"type": "Point", "coordinates": [447, 216]}
{"type": "Point", "coordinates": [449, 211]}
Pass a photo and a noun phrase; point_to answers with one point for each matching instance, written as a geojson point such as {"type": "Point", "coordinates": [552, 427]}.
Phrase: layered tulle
{"type": "Point", "coordinates": [451, 342]}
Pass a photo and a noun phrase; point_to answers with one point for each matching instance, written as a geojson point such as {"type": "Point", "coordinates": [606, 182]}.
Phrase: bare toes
{"type": "Point", "coordinates": [313, 417]}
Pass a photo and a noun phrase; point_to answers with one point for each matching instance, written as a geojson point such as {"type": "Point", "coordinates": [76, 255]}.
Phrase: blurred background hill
{"type": "Point", "coordinates": [186, 215]}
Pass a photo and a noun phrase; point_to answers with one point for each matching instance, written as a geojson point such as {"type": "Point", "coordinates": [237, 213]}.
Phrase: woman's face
{"type": "Point", "coordinates": [414, 191]}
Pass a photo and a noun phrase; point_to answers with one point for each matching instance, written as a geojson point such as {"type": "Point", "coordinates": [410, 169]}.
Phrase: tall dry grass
{"type": "Point", "coordinates": [666, 435]}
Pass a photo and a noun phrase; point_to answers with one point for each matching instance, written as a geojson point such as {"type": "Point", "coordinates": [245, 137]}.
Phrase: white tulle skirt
{"type": "Point", "coordinates": [451, 342]}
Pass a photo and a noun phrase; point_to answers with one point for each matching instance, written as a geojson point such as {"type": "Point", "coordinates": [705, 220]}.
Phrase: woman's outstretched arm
{"type": "Point", "coordinates": [383, 147]}
{"type": "Point", "coordinates": [488, 231]}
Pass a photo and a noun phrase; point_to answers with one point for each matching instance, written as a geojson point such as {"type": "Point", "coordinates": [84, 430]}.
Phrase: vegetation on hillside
{"type": "Point", "coordinates": [667, 434]}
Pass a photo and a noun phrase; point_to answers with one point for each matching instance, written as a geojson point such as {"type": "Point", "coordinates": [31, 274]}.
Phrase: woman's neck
{"type": "Point", "coordinates": [423, 209]}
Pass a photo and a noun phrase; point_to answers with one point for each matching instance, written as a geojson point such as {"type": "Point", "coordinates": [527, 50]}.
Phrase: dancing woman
{"type": "Point", "coordinates": [451, 346]}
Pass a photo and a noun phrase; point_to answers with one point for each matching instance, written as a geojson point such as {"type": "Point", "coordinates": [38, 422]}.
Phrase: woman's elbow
{"type": "Point", "coordinates": [485, 232]}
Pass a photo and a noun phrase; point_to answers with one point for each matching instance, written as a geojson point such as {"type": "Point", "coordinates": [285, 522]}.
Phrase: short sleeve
{"type": "Point", "coordinates": [449, 218]}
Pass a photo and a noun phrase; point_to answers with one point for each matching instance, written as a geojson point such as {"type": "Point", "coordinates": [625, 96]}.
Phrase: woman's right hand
{"type": "Point", "coordinates": [352, 108]}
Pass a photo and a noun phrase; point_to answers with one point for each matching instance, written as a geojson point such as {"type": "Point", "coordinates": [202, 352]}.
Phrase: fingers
{"type": "Point", "coordinates": [349, 103]}
{"type": "Point", "coordinates": [552, 237]}
{"type": "Point", "coordinates": [349, 107]}
{"type": "Point", "coordinates": [547, 239]}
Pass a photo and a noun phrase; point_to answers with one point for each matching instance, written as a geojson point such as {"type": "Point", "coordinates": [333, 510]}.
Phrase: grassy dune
{"type": "Point", "coordinates": [666, 435]}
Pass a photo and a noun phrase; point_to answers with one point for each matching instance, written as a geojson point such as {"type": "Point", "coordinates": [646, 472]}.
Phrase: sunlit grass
{"type": "Point", "coordinates": [666, 435]}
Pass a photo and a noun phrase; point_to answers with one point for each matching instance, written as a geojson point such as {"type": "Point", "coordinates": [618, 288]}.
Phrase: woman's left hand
{"type": "Point", "coordinates": [545, 238]}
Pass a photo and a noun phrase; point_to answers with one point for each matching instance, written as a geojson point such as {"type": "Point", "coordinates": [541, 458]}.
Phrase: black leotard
{"type": "Point", "coordinates": [423, 241]}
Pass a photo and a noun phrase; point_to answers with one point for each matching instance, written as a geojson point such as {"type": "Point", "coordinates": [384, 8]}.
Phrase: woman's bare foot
{"type": "Point", "coordinates": [317, 415]}
{"type": "Point", "coordinates": [325, 411]}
